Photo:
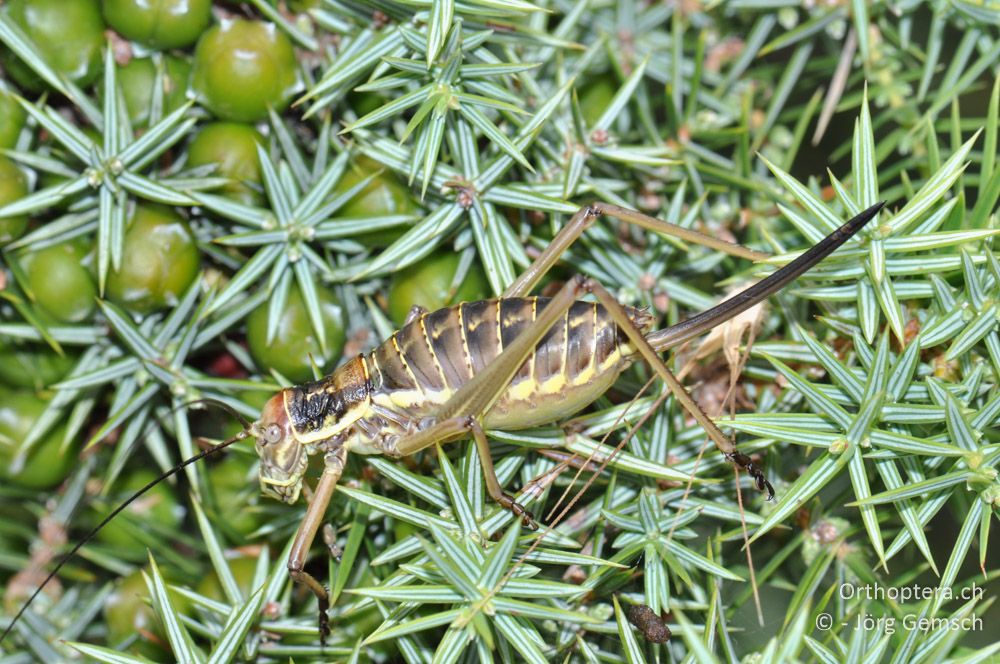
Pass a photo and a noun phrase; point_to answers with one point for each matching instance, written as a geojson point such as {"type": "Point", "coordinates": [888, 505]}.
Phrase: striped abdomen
{"type": "Point", "coordinates": [422, 365]}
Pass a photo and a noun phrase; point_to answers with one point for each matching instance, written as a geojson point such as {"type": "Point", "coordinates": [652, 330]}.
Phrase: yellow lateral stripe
{"type": "Point", "coordinates": [346, 421]}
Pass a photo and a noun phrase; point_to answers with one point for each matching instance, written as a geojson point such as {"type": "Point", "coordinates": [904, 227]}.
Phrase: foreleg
{"type": "Point", "coordinates": [307, 533]}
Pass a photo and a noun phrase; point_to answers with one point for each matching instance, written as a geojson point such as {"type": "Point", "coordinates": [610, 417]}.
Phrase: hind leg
{"type": "Point", "coordinates": [642, 345]}
{"type": "Point", "coordinates": [585, 218]}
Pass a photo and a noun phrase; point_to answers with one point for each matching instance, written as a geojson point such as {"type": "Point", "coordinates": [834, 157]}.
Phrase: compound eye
{"type": "Point", "coordinates": [272, 434]}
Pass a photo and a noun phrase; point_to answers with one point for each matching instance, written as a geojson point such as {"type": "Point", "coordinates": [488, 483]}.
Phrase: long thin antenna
{"type": "Point", "coordinates": [244, 422]}
{"type": "Point", "coordinates": [89, 536]}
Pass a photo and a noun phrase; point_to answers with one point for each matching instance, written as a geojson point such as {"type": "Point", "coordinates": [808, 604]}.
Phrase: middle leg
{"type": "Point", "coordinates": [493, 486]}
{"type": "Point", "coordinates": [463, 412]}
{"type": "Point", "coordinates": [460, 427]}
